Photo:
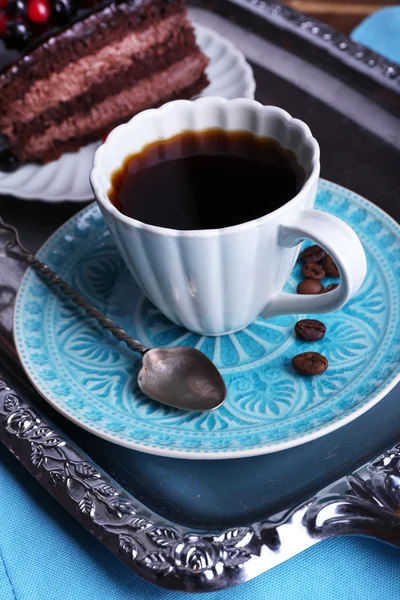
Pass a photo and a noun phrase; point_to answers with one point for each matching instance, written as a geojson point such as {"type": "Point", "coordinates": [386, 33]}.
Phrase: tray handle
{"type": "Point", "coordinates": [169, 554]}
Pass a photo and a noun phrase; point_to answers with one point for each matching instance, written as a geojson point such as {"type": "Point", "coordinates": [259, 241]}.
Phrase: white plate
{"type": "Point", "coordinates": [68, 177]}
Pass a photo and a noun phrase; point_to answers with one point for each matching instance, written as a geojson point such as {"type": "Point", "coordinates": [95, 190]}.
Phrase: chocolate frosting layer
{"type": "Point", "coordinates": [81, 26]}
{"type": "Point", "coordinates": [110, 84]}
{"type": "Point", "coordinates": [51, 50]}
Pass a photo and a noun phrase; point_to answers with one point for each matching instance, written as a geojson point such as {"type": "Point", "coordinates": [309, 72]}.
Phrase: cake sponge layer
{"type": "Point", "coordinates": [178, 81]}
{"type": "Point", "coordinates": [119, 62]}
{"type": "Point", "coordinates": [72, 88]}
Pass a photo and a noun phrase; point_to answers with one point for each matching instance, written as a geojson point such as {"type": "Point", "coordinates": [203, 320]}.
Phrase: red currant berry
{"type": "Point", "coordinates": [3, 24]}
{"type": "Point", "coordinates": [38, 11]}
{"type": "Point", "coordinates": [3, 3]}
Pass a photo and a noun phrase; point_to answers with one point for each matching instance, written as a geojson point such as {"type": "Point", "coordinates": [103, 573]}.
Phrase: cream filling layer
{"type": "Point", "coordinates": [144, 94]}
{"type": "Point", "coordinates": [79, 75]}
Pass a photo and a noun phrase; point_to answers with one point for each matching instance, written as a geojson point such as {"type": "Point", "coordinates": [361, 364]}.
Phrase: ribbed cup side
{"type": "Point", "coordinates": [216, 281]}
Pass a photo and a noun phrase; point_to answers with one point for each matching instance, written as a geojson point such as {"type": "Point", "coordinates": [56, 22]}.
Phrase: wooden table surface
{"type": "Point", "coordinates": [344, 15]}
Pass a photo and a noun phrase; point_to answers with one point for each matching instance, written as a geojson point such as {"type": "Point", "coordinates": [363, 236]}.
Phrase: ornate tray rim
{"type": "Point", "coordinates": [318, 34]}
{"type": "Point", "coordinates": [176, 557]}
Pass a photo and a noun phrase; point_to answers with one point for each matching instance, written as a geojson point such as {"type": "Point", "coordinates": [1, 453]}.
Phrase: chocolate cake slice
{"type": "Point", "coordinates": [63, 86]}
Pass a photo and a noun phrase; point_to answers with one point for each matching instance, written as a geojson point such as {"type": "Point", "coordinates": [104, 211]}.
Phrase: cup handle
{"type": "Point", "coordinates": [341, 243]}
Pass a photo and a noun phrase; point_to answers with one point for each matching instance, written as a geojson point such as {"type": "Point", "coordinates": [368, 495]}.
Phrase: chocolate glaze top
{"type": "Point", "coordinates": [13, 55]}
{"type": "Point", "coordinates": [52, 48]}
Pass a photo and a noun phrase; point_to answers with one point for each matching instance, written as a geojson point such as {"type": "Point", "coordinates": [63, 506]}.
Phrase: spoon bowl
{"type": "Point", "coordinates": [182, 377]}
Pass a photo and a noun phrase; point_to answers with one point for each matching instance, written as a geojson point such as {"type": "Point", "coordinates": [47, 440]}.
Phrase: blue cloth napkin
{"type": "Point", "coordinates": [381, 32]}
{"type": "Point", "coordinates": [46, 555]}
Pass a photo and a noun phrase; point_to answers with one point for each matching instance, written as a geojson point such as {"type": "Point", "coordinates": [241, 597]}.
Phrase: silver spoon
{"type": "Point", "coordinates": [182, 377]}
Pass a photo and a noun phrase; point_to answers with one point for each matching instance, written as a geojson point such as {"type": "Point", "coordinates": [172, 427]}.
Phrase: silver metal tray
{"type": "Point", "coordinates": [235, 519]}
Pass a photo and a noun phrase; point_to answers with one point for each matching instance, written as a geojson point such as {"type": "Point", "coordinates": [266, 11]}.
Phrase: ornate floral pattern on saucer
{"type": "Point", "coordinates": [80, 370]}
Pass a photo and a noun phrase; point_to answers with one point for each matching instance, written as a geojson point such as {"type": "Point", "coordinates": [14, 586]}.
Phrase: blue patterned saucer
{"type": "Point", "coordinates": [91, 379]}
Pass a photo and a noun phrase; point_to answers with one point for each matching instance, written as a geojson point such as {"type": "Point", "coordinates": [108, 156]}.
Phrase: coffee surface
{"type": "Point", "coordinates": [206, 180]}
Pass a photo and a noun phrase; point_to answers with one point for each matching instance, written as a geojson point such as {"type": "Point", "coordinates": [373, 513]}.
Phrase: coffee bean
{"type": "Point", "coordinates": [329, 288]}
{"type": "Point", "coordinates": [312, 254]}
{"type": "Point", "coordinates": [330, 267]}
{"type": "Point", "coordinates": [312, 271]}
{"type": "Point", "coordinates": [310, 330]}
{"type": "Point", "coordinates": [310, 363]}
{"type": "Point", "coordinates": [310, 286]}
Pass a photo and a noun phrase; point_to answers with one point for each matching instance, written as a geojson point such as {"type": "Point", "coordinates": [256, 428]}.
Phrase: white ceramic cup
{"type": "Point", "coordinates": [218, 281]}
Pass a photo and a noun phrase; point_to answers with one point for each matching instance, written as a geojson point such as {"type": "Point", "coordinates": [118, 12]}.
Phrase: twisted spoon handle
{"type": "Point", "coordinates": [44, 270]}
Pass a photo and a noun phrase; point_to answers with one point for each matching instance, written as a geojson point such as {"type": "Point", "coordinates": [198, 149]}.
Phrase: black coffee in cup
{"type": "Point", "coordinates": [206, 180]}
